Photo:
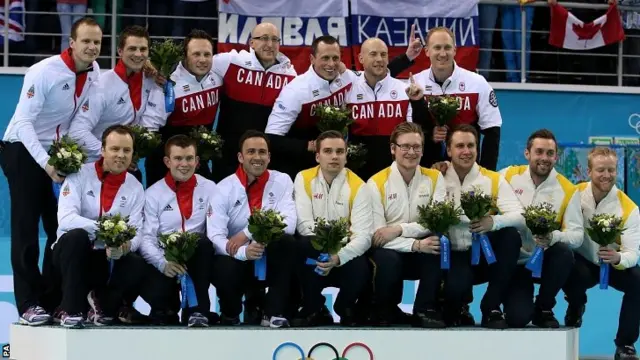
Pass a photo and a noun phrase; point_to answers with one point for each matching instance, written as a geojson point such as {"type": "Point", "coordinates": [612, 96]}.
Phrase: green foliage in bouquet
{"type": "Point", "coordinates": [145, 142]}
{"type": "Point", "coordinates": [66, 156]}
{"type": "Point", "coordinates": [165, 56]}
{"type": "Point", "coordinates": [179, 246]}
{"type": "Point", "coordinates": [266, 225]}
{"type": "Point", "coordinates": [330, 235]}
{"type": "Point", "coordinates": [439, 216]}
{"type": "Point", "coordinates": [476, 204]}
{"type": "Point", "coordinates": [541, 219]}
{"type": "Point", "coordinates": [209, 143]}
{"type": "Point", "coordinates": [605, 229]}
{"type": "Point", "coordinates": [356, 156]}
{"type": "Point", "coordinates": [334, 118]}
{"type": "Point", "coordinates": [114, 230]}
{"type": "Point", "coordinates": [443, 108]}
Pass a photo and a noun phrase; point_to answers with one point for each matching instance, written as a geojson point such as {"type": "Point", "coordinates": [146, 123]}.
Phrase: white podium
{"type": "Point", "coordinates": [252, 343]}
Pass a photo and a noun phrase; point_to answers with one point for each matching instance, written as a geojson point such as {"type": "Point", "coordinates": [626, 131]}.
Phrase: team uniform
{"type": "Point", "coordinates": [557, 259]}
{"type": "Point", "coordinates": [249, 94]}
{"type": "Point", "coordinates": [396, 203]}
{"type": "Point", "coordinates": [196, 104]}
{"type": "Point", "coordinates": [228, 215]}
{"type": "Point", "coordinates": [478, 107]}
{"type": "Point", "coordinates": [172, 207]}
{"type": "Point", "coordinates": [346, 197]}
{"type": "Point", "coordinates": [80, 258]}
{"type": "Point", "coordinates": [51, 94]}
{"type": "Point", "coordinates": [504, 239]}
{"type": "Point", "coordinates": [624, 276]}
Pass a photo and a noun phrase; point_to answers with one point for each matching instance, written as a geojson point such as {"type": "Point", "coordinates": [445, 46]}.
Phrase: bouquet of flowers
{"type": "Point", "coordinates": [604, 230]}
{"type": "Point", "coordinates": [356, 156]}
{"type": "Point", "coordinates": [541, 220]}
{"type": "Point", "coordinates": [165, 56]}
{"type": "Point", "coordinates": [209, 143]}
{"type": "Point", "coordinates": [330, 236]}
{"type": "Point", "coordinates": [145, 142]}
{"type": "Point", "coordinates": [476, 205]}
{"type": "Point", "coordinates": [265, 226]}
{"type": "Point", "coordinates": [67, 157]}
{"type": "Point", "coordinates": [334, 118]}
{"type": "Point", "coordinates": [179, 247]}
{"type": "Point", "coordinates": [114, 231]}
{"type": "Point", "coordinates": [438, 217]}
{"type": "Point", "coordinates": [443, 109]}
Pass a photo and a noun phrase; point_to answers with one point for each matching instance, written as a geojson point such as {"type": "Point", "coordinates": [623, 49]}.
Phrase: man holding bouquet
{"type": "Point", "coordinates": [547, 245]}
{"type": "Point", "coordinates": [332, 192]}
{"type": "Point", "coordinates": [253, 188]}
{"type": "Point", "coordinates": [609, 251]}
{"type": "Point", "coordinates": [496, 235]}
{"type": "Point", "coordinates": [90, 270]}
{"type": "Point", "coordinates": [178, 204]}
{"type": "Point", "coordinates": [401, 249]}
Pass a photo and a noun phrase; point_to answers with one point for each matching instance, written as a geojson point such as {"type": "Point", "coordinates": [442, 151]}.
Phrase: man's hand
{"type": "Point", "coordinates": [311, 146]}
{"type": "Point", "coordinates": [543, 241]}
{"type": "Point", "coordinates": [386, 234]}
{"type": "Point", "coordinates": [430, 245]}
{"type": "Point", "coordinates": [326, 267]}
{"type": "Point", "coordinates": [235, 242]}
{"type": "Point", "coordinates": [172, 269]}
{"type": "Point", "coordinates": [342, 67]}
{"type": "Point", "coordinates": [439, 134]}
{"type": "Point", "coordinates": [414, 91]}
{"type": "Point", "coordinates": [441, 166]}
{"type": "Point", "coordinates": [125, 248]}
{"type": "Point", "coordinates": [255, 251]}
{"type": "Point", "coordinates": [415, 45]}
{"type": "Point", "coordinates": [150, 71]}
{"type": "Point", "coordinates": [481, 226]}
{"type": "Point", "coordinates": [609, 256]}
{"type": "Point", "coordinates": [114, 253]}
{"type": "Point", "coordinates": [133, 166]}
{"type": "Point", "coordinates": [53, 174]}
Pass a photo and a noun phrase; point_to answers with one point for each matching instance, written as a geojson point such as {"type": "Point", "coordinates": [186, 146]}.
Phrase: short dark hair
{"type": "Point", "coordinates": [331, 134]}
{"type": "Point", "coordinates": [83, 21]}
{"type": "Point", "coordinates": [541, 134]}
{"type": "Point", "coordinates": [135, 31]}
{"type": "Point", "coordinates": [196, 34]}
{"type": "Point", "coordinates": [406, 127]}
{"type": "Point", "coordinates": [118, 129]}
{"type": "Point", "coordinates": [464, 128]}
{"type": "Point", "coordinates": [253, 134]}
{"type": "Point", "coordinates": [327, 39]}
{"type": "Point", "coordinates": [181, 141]}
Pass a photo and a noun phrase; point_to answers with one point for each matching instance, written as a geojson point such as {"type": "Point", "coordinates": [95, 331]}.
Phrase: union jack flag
{"type": "Point", "coordinates": [16, 22]}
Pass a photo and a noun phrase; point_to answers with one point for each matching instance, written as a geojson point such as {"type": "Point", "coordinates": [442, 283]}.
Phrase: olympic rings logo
{"type": "Point", "coordinates": [323, 344]}
{"type": "Point", "coordinates": [634, 122]}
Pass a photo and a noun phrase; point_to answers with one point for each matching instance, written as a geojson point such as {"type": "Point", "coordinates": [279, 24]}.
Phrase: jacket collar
{"type": "Point", "coordinates": [107, 177]}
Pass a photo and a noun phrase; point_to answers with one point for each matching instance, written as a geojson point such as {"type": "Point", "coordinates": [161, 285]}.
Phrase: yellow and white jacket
{"type": "Point", "coordinates": [555, 190]}
{"type": "Point", "coordinates": [396, 203]}
{"type": "Point", "coordinates": [346, 197]}
{"type": "Point", "coordinates": [618, 203]}
{"type": "Point", "coordinates": [490, 182]}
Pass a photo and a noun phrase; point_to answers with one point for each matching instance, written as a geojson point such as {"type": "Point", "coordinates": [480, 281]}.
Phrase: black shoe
{"type": "Point", "coordinates": [573, 317]}
{"type": "Point", "coordinates": [318, 318]}
{"type": "Point", "coordinates": [229, 321]}
{"type": "Point", "coordinates": [348, 318]}
{"type": "Point", "coordinates": [159, 318]}
{"type": "Point", "coordinates": [129, 315]}
{"type": "Point", "coordinates": [214, 318]}
{"type": "Point", "coordinates": [429, 319]}
{"type": "Point", "coordinates": [545, 319]}
{"type": "Point", "coordinates": [252, 315]}
{"type": "Point", "coordinates": [627, 352]}
{"type": "Point", "coordinates": [494, 320]}
{"type": "Point", "coordinates": [466, 319]}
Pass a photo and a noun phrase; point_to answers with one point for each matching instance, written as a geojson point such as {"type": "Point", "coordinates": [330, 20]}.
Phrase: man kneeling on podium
{"type": "Point", "coordinates": [100, 188]}
{"type": "Point", "coordinates": [178, 203]}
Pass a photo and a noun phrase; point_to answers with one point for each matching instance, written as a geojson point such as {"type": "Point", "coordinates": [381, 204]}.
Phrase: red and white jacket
{"type": "Point", "coordinates": [51, 94]}
{"type": "Point", "coordinates": [91, 193]}
{"type": "Point", "coordinates": [174, 207]}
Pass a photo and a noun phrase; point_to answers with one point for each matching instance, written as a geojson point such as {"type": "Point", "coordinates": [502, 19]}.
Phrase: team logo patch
{"type": "Point", "coordinates": [338, 82]}
{"type": "Point", "coordinates": [359, 97]}
{"type": "Point", "coordinates": [461, 86]}
{"type": "Point", "coordinates": [185, 87]}
{"type": "Point", "coordinates": [31, 92]}
{"type": "Point", "coordinates": [85, 106]}
{"type": "Point", "coordinates": [394, 94]}
{"type": "Point", "coordinates": [66, 190]}
{"type": "Point", "coordinates": [493, 100]}
{"type": "Point", "coordinates": [316, 93]}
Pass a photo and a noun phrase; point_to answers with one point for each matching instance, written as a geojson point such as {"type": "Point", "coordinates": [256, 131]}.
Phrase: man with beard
{"type": "Point", "coordinates": [252, 187]}
{"type": "Point", "coordinates": [52, 92]}
{"type": "Point", "coordinates": [466, 175]}
{"type": "Point", "coordinates": [197, 90]}
{"type": "Point", "coordinates": [601, 196]}
{"type": "Point", "coordinates": [534, 184]}
{"type": "Point", "coordinates": [292, 125]}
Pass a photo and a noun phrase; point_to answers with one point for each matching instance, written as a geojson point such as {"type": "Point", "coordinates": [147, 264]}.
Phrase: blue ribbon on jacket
{"type": "Point", "coordinates": [169, 97]}
{"type": "Point", "coordinates": [604, 275]}
{"type": "Point", "coordinates": [535, 262]}
{"type": "Point", "coordinates": [323, 257]}
{"type": "Point", "coordinates": [56, 189]}
{"type": "Point", "coordinates": [260, 267]}
{"type": "Point", "coordinates": [188, 292]}
{"type": "Point", "coordinates": [443, 150]}
{"type": "Point", "coordinates": [445, 252]}
{"type": "Point", "coordinates": [112, 263]}
{"type": "Point", "coordinates": [480, 242]}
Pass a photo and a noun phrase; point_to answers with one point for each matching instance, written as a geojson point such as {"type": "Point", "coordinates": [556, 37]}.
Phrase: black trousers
{"type": "Point", "coordinates": [233, 278]}
{"type": "Point", "coordinates": [461, 277]}
{"type": "Point", "coordinates": [83, 269]}
{"type": "Point", "coordinates": [586, 275]}
{"type": "Point", "coordinates": [392, 267]}
{"type": "Point", "coordinates": [161, 292]}
{"type": "Point", "coordinates": [32, 198]}
{"type": "Point", "coordinates": [519, 305]}
{"type": "Point", "coordinates": [351, 278]}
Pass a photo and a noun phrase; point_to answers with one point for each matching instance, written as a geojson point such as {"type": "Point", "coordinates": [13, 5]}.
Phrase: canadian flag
{"type": "Point", "coordinates": [569, 32]}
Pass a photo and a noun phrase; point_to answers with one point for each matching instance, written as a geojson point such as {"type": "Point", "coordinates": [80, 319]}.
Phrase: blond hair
{"type": "Point", "coordinates": [440, 29]}
{"type": "Point", "coordinates": [406, 128]}
{"type": "Point", "coordinates": [600, 151]}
